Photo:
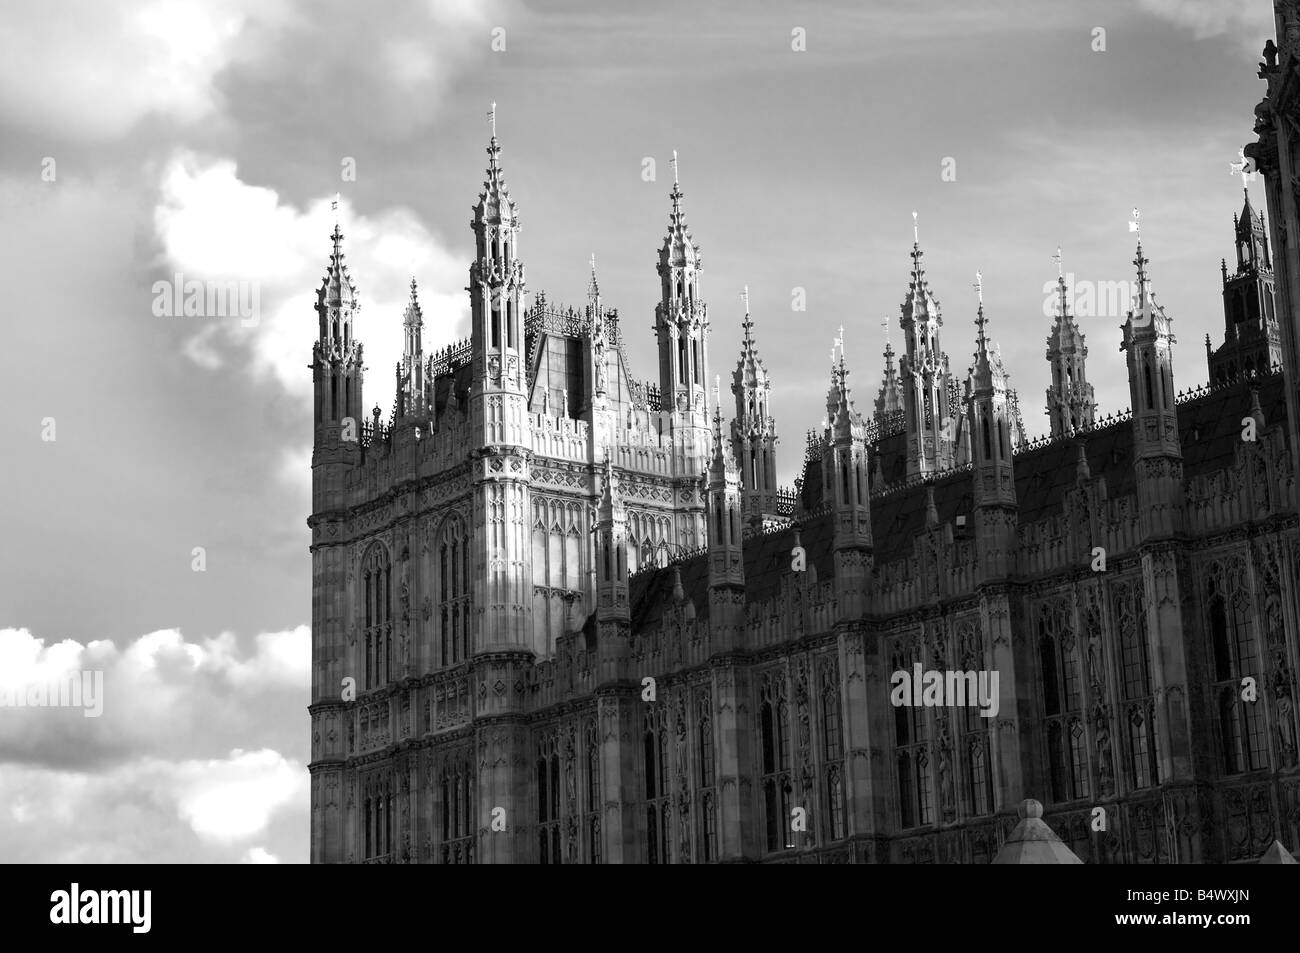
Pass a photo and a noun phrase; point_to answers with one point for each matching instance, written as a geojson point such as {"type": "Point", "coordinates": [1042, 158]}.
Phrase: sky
{"type": "Point", "coordinates": [156, 469]}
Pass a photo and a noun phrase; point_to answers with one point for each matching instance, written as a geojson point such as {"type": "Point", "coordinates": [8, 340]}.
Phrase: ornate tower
{"type": "Point", "coordinates": [1252, 340]}
{"type": "Point", "coordinates": [890, 399]}
{"type": "Point", "coordinates": [991, 428]}
{"type": "Point", "coordinates": [726, 557]}
{"type": "Point", "coordinates": [681, 320]}
{"type": "Point", "coordinates": [1157, 452]}
{"type": "Point", "coordinates": [410, 372]}
{"type": "Point", "coordinates": [498, 411]}
{"type": "Point", "coordinates": [845, 486]}
{"type": "Point", "coordinates": [336, 374]}
{"type": "Point", "coordinates": [1070, 402]}
{"type": "Point", "coordinates": [753, 432]}
{"type": "Point", "coordinates": [925, 378]}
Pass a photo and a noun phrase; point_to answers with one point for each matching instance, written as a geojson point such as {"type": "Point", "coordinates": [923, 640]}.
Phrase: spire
{"type": "Point", "coordinates": [678, 244]}
{"type": "Point", "coordinates": [413, 316]}
{"type": "Point", "coordinates": [753, 431]}
{"type": "Point", "coordinates": [890, 398]}
{"type": "Point", "coordinates": [337, 289]}
{"type": "Point", "coordinates": [593, 289]}
{"type": "Point", "coordinates": [494, 205]}
{"type": "Point", "coordinates": [988, 365]}
{"type": "Point", "coordinates": [1070, 398]}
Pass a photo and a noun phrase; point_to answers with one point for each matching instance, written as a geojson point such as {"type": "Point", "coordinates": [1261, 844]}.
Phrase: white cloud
{"type": "Point", "coordinates": [162, 695]}
{"type": "Point", "coordinates": [154, 810]}
{"type": "Point", "coordinates": [204, 741]}
{"type": "Point", "coordinates": [233, 799]}
{"type": "Point", "coordinates": [214, 226]}
{"type": "Point", "coordinates": [93, 69]}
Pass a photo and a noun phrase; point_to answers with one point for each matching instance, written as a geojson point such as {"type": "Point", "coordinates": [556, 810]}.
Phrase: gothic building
{"type": "Point", "coordinates": [561, 615]}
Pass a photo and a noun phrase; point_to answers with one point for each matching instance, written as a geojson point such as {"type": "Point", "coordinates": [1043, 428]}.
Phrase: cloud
{"type": "Point", "coordinates": [233, 799]}
{"type": "Point", "coordinates": [1209, 18]}
{"type": "Point", "coordinates": [103, 65]}
{"type": "Point", "coordinates": [162, 696]}
{"type": "Point", "coordinates": [204, 739]}
{"type": "Point", "coordinates": [214, 227]}
{"type": "Point", "coordinates": [152, 810]}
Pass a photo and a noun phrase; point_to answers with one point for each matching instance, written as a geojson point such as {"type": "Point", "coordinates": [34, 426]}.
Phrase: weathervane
{"type": "Point", "coordinates": [1057, 258]}
{"type": "Point", "coordinates": [745, 297]}
{"type": "Point", "coordinates": [335, 206]}
{"type": "Point", "coordinates": [979, 286]}
{"type": "Point", "coordinates": [916, 232]}
{"type": "Point", "coordinates": [674, 167]}
{"type": "Point", "coordinates": [492, 117]}
{"type": "Point", "coordinates": [1136, 224]}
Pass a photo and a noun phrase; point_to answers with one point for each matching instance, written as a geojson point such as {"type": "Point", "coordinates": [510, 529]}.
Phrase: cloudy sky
{"type": "Point", "coordinates": [149, 139]}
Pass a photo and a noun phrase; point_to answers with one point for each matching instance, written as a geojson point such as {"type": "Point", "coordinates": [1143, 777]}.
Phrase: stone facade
{"type": "Point", "coordinates": [584, 626]}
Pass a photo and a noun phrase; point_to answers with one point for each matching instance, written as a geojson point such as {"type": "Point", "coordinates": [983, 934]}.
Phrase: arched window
{"type": "Point", "coordinates": [376, 572]}
{"type": "Point", "coordinates": [1147, 378]}
{"type": "Point", "coordinates": [1141, 757]}
{"type": "Point", "coordinates": [452, 549]}
{"type": "Point", "coordinates": [1242, 732]}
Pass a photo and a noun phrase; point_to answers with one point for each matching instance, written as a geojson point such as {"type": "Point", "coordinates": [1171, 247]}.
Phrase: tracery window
{"type": "Point", "coordinates": [977, 767]}
{"type": "Point", "coordinates": [453, 592]}
{"type": "Point", "coordinates": [1142, 765]}
{"type": "Point", "coordinates": [658, 802]}
{"type": "Point", "coordinates": [548, 803]}
{"type": "Point", "coordinates": [456, 797]}
{"type": "Point", "coordinates": [377, 587]}
{"type": "Point", "coordinates": [776, 783]}
{"type": "Point", "coordinates": [1242, 736]}
{"type": "Point", "coordinates": [1062, 696]}
{"type": "Point", "coordinates": [912, 757]}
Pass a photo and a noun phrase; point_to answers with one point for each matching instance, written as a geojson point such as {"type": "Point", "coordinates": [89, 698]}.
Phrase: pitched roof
{"type": "Point", "coordinates": [1209, 426]}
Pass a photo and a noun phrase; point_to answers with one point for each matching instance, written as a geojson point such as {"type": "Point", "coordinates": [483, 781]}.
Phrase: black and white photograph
{"type": "Point", "coordinates": [512, 432]}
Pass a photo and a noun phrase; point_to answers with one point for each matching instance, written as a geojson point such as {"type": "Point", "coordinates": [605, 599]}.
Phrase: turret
{"type": "Point", "coordinates": [925, 376]}
{"type": "Point", "coordinates": [753, 432]}
{"type": "Point", "coordinates": [1252, 338]}
{"type": "Point", "coordinates": [1071, 405]}
{"type": "Point", "coordinates": [846, 476]}
{"type": "Point", "coordinates": [990, 422]}
{"type": "Point", "coordinates": [1157, 451]}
